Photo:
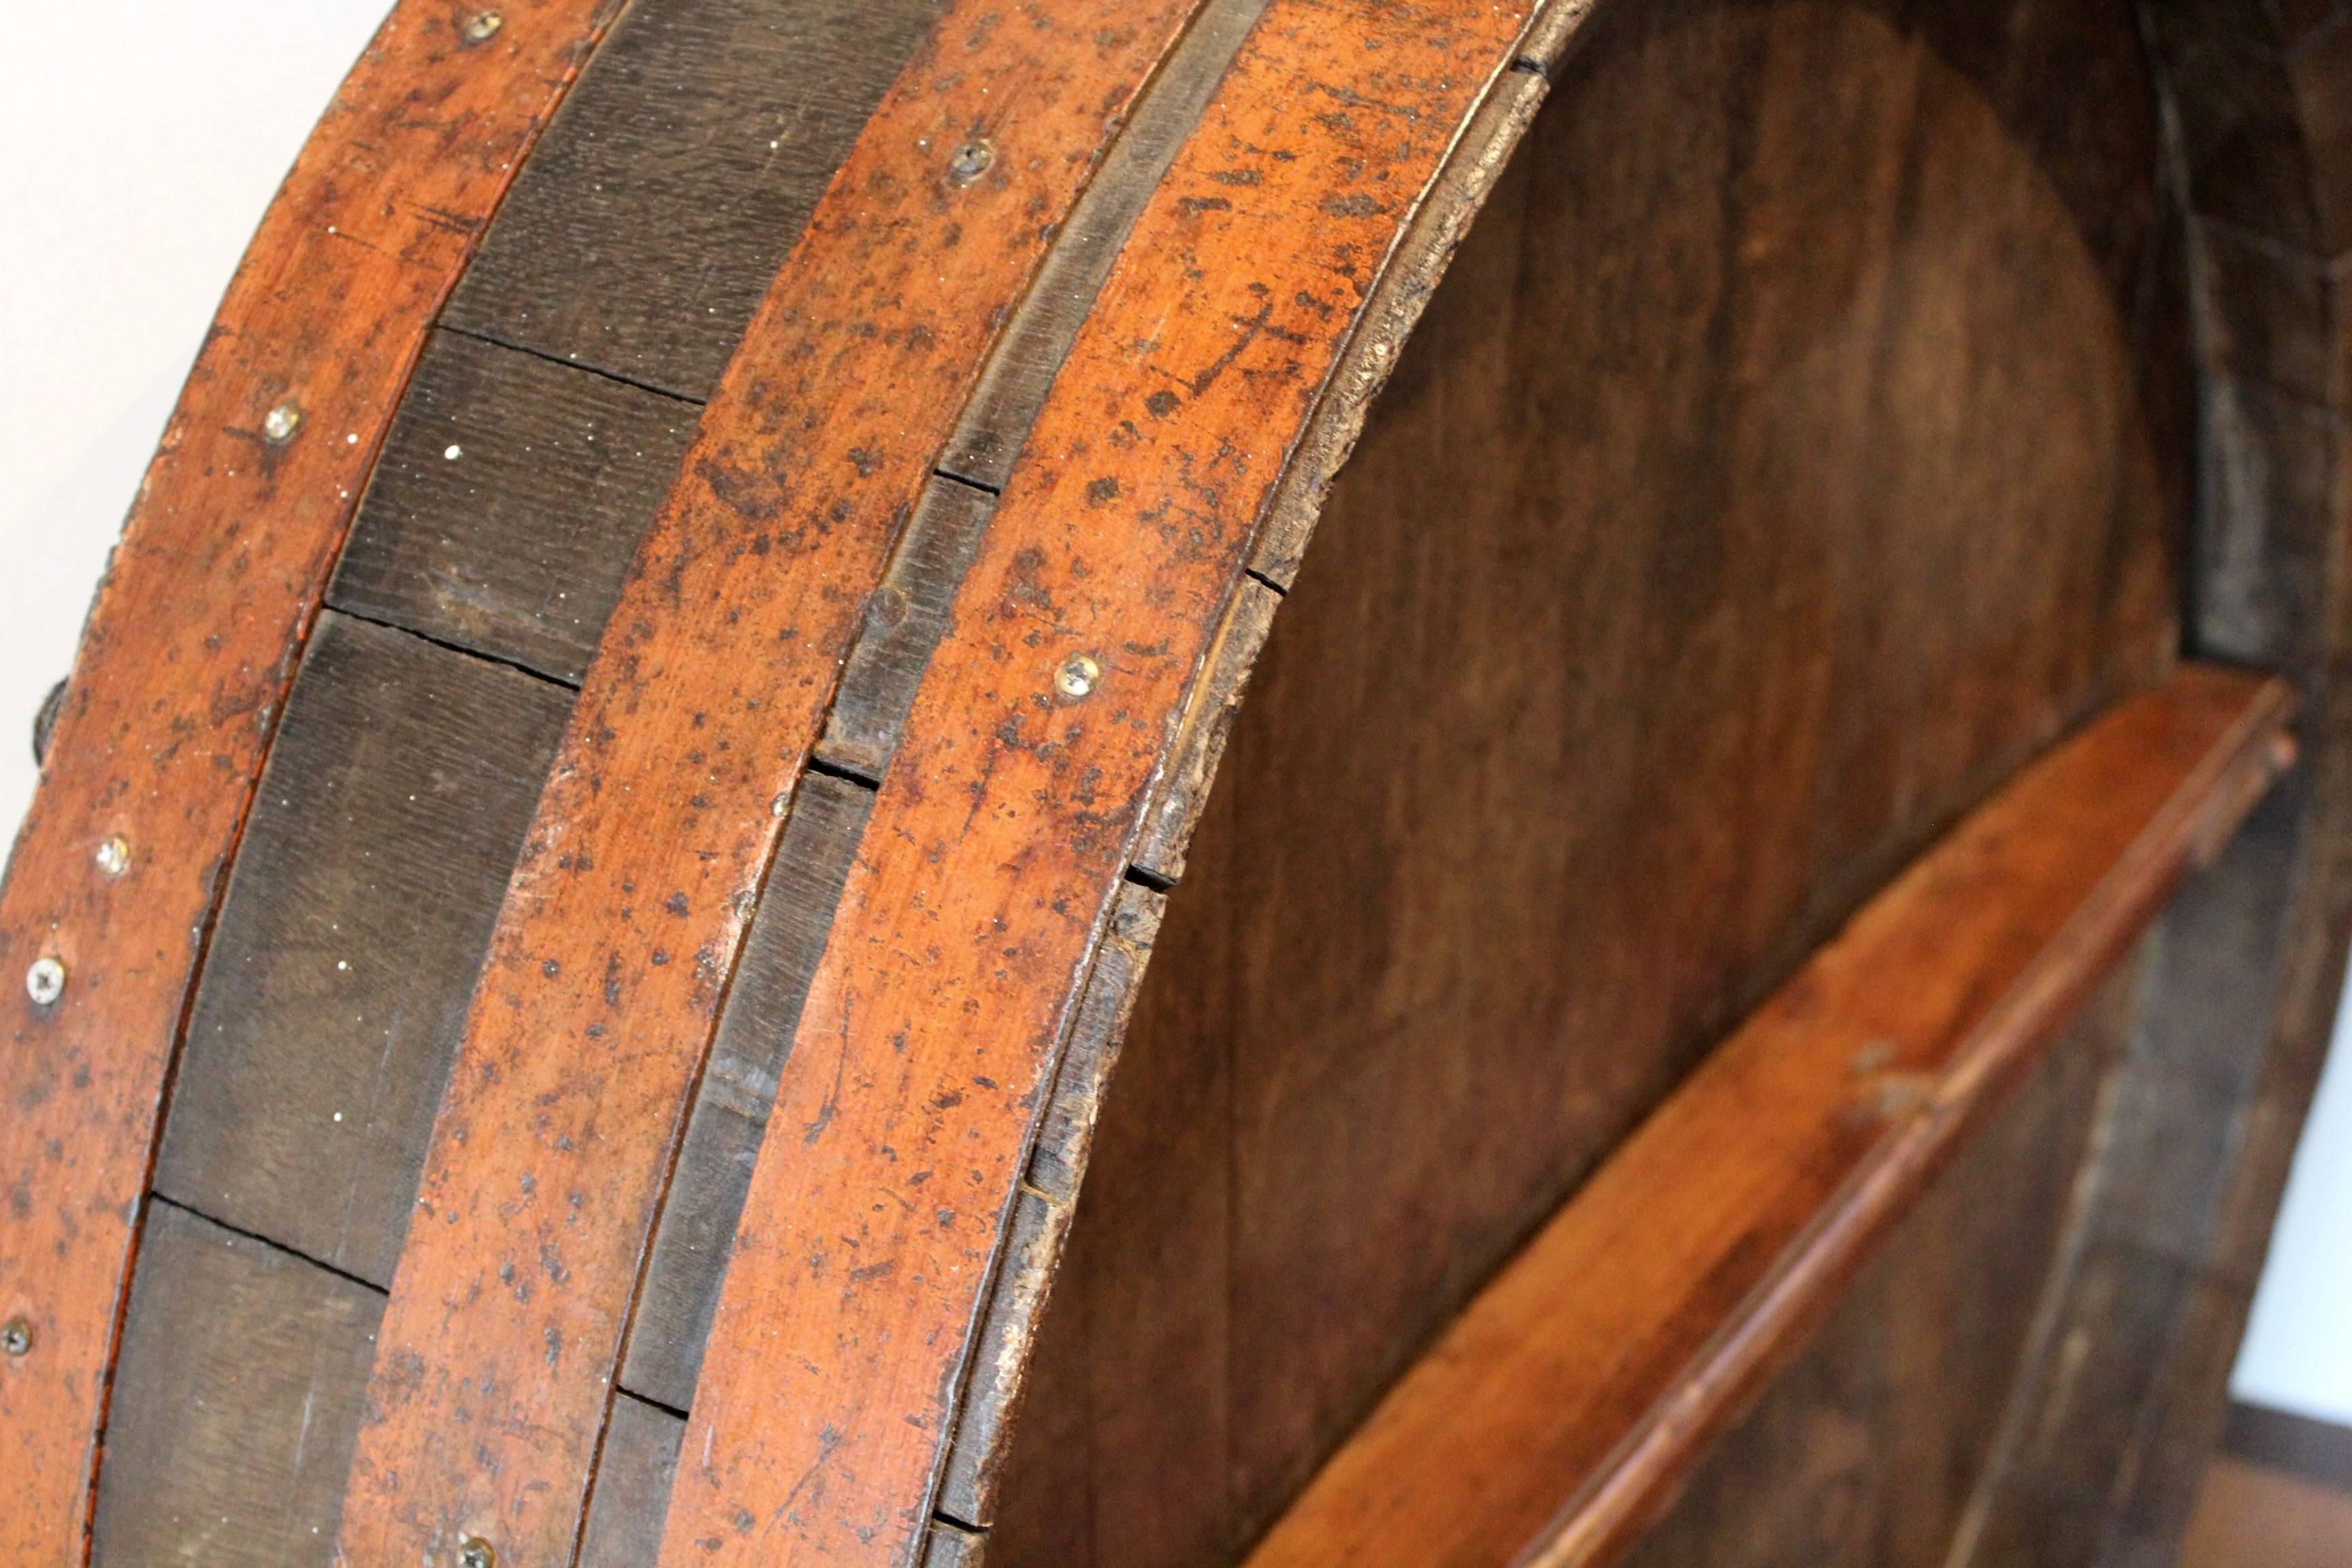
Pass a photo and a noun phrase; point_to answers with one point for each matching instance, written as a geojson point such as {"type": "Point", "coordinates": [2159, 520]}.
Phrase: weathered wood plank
{"type": "Point", "coordinates": [641, 238]}
{"type": "Point", "coordinates": [905, 618]}
{"type": "Point", "coordinates": [1032, 1251]}
{"type": "Point", "coordinates": [999, 831]}
{"type": "Point", "coordinates": [633, 1478]}
{"type": "Point", "coordinates": [390, 812]}
{"type": "Point", "coordinates": [663, 810]}
{"type": "Point", "coordinates": [1863, 1451]}
{"type": "Point", "coordinates": [509, 501]}
{"type": "Point", "coordinates": [236, 1400]}
{"type": "Point", "coordinates": [995, 425]}
{"type": "Point", "coordinates": [1574, 1391]}
{"type": "Point", "coordinates": [189, 648]}
{"type": "Point", "coordinates": [739, 1086]}
{"type": "Point", "coordinates": [1638, 585]}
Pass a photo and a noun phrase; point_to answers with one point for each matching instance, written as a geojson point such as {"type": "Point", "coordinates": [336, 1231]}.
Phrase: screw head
{"type": "Point", "coordinates": [44, 982]}
{"type": "Point", "coordinates": [480, 29]}
{"type": "Point", "coordinates": [16, 1336]}
{"type": "Point", "coordinates": [114, 857]}
{"type": "Point", "coordinates": [971, 161]}
{"type": "Point", "coordinates": [280, 423]}
{"type": "Point", "coordinates": [476, 1553]}
{"type": "Point", "coordinates": [1078, 677]}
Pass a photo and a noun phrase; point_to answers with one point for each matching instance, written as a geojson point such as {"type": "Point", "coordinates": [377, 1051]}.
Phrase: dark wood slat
{"type": "Point", "coordinates": [730, 1109]}
{"type": "Point", "coordinates": [643, 234]}
{"type": "Point", "coordinates": [624, 1518]}
{"type": "Point", "coordinates": [388, 820]}
{"type": "Point", "coordinates": [510, 498]}
{"type": "Point", "coordinates": [235, 1403]}
{"type": "Point", "coordinates": [905, 619]}
{"type": "Point", "coordinates": [1577, 1387]}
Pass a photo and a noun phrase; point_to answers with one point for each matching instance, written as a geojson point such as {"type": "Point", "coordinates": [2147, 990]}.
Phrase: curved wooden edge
{"type": "Point", "coordinates": [1016, 799]}
{"type": "Point", "coordinates": [185, 662]}
{"type": "Point", "coordinates": [620, 931]}
{"type": "Point", "coordinates": [1573, 1394]}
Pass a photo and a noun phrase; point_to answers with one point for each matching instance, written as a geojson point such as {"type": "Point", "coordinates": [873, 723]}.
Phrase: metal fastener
{"type": "Point", "coordinates": [1078, 677]}
{"type": "Point", "coordinates": [280, 423]}
{"type": "Point", "coordinates": [114, 857]}
{"type": "Point", "coordinates": [44, 982]}
{"type": "Point", "coordinates": [482, 26]}
{"type": "Point", "coordinates": [476, 1553]}
{"type": "Point", "coordinates": [970, 162]}
{"type": "Point", "coordinates": [16, 1336]}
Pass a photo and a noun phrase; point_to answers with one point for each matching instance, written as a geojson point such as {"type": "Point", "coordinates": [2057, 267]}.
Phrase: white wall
{"type": "Point", "coordinates": [2298, 1350]}
{"type": "Point", "coordinates": [140, 140]}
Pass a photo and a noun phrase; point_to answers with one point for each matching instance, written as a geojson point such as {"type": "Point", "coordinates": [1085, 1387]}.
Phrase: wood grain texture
{"type": "Point", "coordinates": [739, 1086]}
{"type": "Point", "coordinates": [185, 662]}
{"type": "Point", "coordinates": [1574, 1391]}
{"type": "Point", "coordinates": [633, 1477]}
{"type": "Point", "coordinates": [509, 501]}
{"type": "Point", "coordinates": [1863, 1451]}
{"type": "Point", "coordinates": [237, 1401]}
{"type": "Point", "coordinates": [389, 814]}
{"type": "Point", "coordinates": [1032, 1252]}
{"type": "Point", "coordinates": [706, 133]}
{"type": "Point", "coordinates": [1664, 573]}
{"type": "Point", "coordinates": [931, 1032]}
{"type": "Point", "coordinates": [552, 1145]}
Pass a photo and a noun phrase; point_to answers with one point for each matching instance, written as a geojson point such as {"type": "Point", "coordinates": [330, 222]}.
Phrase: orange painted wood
{"type": "Point", "coordinates": [495, 1359]}
{"type": "Point", "coordinates": [1002, 825]}
{"type": "Point", "coordinates": [1556, 1415]}
{"type": "Point", "coordinates": [194, 637]}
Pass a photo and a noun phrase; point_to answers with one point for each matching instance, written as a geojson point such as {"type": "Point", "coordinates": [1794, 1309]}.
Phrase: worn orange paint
{"type": "Point", "coordinates": [1001, 830]}
{"type": "Point", "coordinates": [1573, 1394]}
{"type": "Point", "coordinates": [189, 648]}
{"type": "Point", "coordinates": [495, 1361]}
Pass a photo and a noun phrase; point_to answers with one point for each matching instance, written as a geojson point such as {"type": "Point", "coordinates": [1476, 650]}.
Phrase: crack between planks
{"type": "Point", "coordinates": [581, 364]}
{"type": "Point", "coordinates": [345, 1275]}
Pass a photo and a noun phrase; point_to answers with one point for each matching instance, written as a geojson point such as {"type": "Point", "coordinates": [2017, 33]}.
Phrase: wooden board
{"type": "Point", "coordinates": [665, 803]}
{"type": "Point", "coordinates": [641, 240]}
{"type": "Point", "coordinates": [633, 1477]}
{"type": "Point", "coordinates": [509, 503]}
{"type": "Point", "coordinates": [237, 1397]}
{"type": "Point", "coordinates": [1575, 1390]}
{"type": "Point", "coordinates": [184, 667]}
{"type": "Point", "coordinates": [1867, 1450]}
{"type": "Point", "coordinates": [1000, 830]}
{"type": "Point", "coordinates": [739, 1086]}
{"type": "Point", "coordinates": [388, 817]}
{"type": "Point", "coordinates": [1710, 634]}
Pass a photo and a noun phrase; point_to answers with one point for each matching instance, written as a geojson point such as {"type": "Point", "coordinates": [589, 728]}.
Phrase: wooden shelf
{"type": "Point", "coordinates": [1555, 1416]}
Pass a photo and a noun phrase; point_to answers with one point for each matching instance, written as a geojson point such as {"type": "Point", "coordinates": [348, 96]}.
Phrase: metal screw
{"type": "Point", "coordinates": [480, 29]}
{"type": "Point", "coordinates": [970, 162]}
{"type": "Point", "coordinates": [476, 1553]}
{"type": "Point", "coordinates": [16, 1336]}
{"type": "Point", "coordinates": [114, 857]}
{"type": "Point", "coordinates": [1076, 678]}
{"type": "Point", "coordinates": [44, 982]}
{"type": "Point", "coordinates": [280, 423]}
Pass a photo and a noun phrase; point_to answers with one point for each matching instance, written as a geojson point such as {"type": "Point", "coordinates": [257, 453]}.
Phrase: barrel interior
{"type": "Point", "coordinates": [1798, 443]}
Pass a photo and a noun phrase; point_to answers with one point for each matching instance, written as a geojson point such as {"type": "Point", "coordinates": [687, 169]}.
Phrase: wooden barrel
{"type": "Point", "coordinates": [717, 884]}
